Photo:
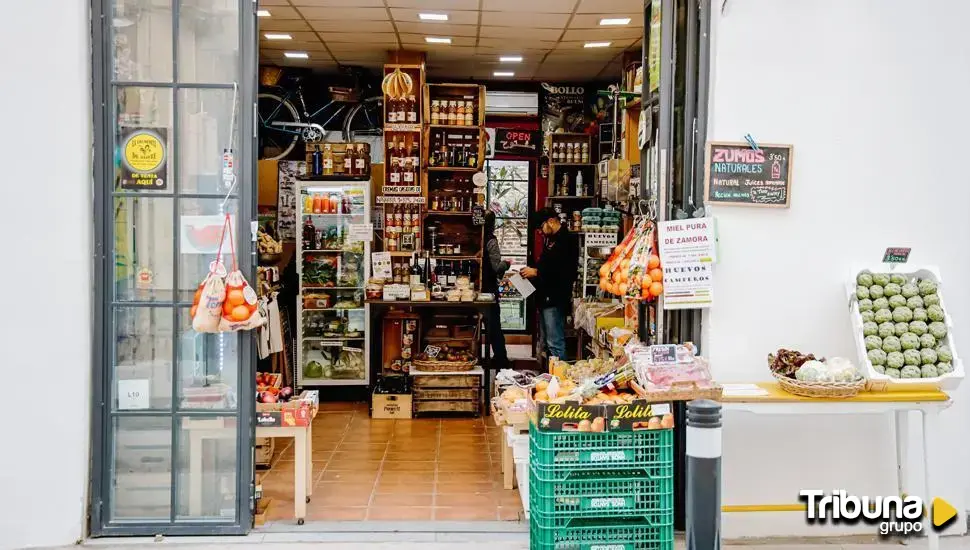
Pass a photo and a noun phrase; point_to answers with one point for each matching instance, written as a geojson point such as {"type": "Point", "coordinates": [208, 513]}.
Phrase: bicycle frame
{"type": "Point", "coordinates": [284, 127]}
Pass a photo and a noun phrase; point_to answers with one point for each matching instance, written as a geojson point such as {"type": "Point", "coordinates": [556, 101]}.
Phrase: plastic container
{"type": "Point", "coordinates": [587, 494]}
{"type": "Point", "coordinates": [555, 456]}
{"type": "Point", "coordinates": [881, 382]}
{"type": "Point", "coordinates": [582, 534]}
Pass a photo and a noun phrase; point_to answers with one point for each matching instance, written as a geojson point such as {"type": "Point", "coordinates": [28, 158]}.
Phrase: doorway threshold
{"type": "Point", "coordinates": [395, 531]}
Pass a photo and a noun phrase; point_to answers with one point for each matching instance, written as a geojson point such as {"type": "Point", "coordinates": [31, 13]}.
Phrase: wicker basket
{"type": "Point", "coordinates": [443, 366]}
{"type": "Point", "coordinates": [836, 390]}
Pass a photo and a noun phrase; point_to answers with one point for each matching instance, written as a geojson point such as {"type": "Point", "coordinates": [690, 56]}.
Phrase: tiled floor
{"type": "Point", "coordinates": [380, 470]}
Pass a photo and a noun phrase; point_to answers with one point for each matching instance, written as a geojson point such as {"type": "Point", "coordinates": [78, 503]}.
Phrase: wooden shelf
{"type": "Point", "coordinates": [436, 257]}
{"type": "Point", "coordinates": [455, 127]}
{"type": "Point", "coordinates": [572, 164]}
{"type": "Point", "coordinates": [452, 169]}
{"type": "Point", "coordinates": [573, 134]}
{"type": "Point", "coordinates": [564, 197]}
{"type": "Point", "coordinates": [446, 213]}
{"type": "Point", "coordinates": [398, 127]}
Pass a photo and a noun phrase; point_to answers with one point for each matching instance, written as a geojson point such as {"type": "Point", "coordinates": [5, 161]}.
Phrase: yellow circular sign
{"type": "Point", "coordinates": [144, 151]}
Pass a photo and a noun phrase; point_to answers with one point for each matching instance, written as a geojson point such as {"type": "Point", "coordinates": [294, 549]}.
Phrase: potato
{"type": "Point", "coordinates": [598, 424]}
{"type": "Point", "coordinates": [585, 426]}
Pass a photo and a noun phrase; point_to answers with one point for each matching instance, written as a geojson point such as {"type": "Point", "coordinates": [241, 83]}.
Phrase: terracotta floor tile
{"type": "Point", "coordinates": [466, 513]}
{"type": "Point", "coordinates": [376, 453]}
{"type": "Point", "coordinates": [355, 464]}
{"type": "Point", "coordinates": [351, 476]}
{"type": "Point", "coordinates": [464, 466]}
{"type": "Point", "coordinates": [466, 500]}
{"type": "Point", "coordinates": [280, 509]}
{"type": "Point", "coordinates": [390, 488]}
{"type": "Point", "coordinates": [507, 498]}
{"type": "Point", "coordinates": [468, 477]}
{"type": "Point", "coordinates": [392, 513]}
{"type": "Point", "coordinates": [462, 488]}
{"type": "Point", "coordinates": [353, 498]}
{"type": "Point", "coordinates": [409, 466]}
{"type": "Point", "coordinates": [506, 513]}
{"type": "Point", "coordinates": [403, 500]}
{"type": "Point", "coordinates": [361, 445]}
{"type": "Point", "coordinates": [414, 454]}
{"type": "Point", "coordinates": [389, 477]}
{"type": "Point", "coordinates": [335, 513]}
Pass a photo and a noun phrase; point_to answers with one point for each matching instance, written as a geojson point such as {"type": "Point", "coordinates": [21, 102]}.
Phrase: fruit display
{"type": "Point", "coordinates": [448, 353]}
{"type": "Point", "coordinates": [268, 245]}
{"type": "Point", "coordinates": [397, 84]}
{"type": "Point", "coordinates": [902, 325]}
{"type": "Point", "coordinates": [268, 388]}
{"type": "Point", "coordinates": [633, 270]}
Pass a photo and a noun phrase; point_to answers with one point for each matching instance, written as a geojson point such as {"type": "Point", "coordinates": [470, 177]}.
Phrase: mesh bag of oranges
{"type": "Point", "coordinates": [633, 270]}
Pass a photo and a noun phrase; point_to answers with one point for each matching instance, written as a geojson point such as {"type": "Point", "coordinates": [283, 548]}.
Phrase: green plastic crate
{"type": "Point", "coordinates": [589, 494]}
{"type": "Point", "coordinates": [601, 534]}
{"type": "Point", "coordinates": [555, 454]}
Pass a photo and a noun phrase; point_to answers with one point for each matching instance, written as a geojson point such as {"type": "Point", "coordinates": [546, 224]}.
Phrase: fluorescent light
{"type": "Point", "coordinates": [597, 44]}
{"type": "Point", "coordinates": [510, 59]}
{"type": "Point", "coordinates": [433, 40]}
{"type": "Point", "coordinates": [296, 55]}
{"type": "Point", "coordinates": [277, 36]}
{"type": "Point", "coordinates": [503, 73]}
{"type": "Point", "coordinates": [617, 21]}
{"type": "Point", "coordinates": [433, 16]}
{"type": "Point", "coordinates": [262, 13]}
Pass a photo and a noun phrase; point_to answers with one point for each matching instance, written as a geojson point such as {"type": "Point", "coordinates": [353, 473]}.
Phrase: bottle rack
{"type": "Point", "coordinates": [402, 128]}
{"type": "Point", "coordinates": [338, 168]}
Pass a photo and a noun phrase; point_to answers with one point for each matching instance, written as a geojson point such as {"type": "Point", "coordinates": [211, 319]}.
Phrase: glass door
{"type": "Point", "coordinates": [172, 416]}
{"type": "Point", "coordinates": [507, 195]}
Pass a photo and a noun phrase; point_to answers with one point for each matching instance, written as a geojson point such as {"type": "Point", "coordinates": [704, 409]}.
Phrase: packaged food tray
{"type": "Point", "coordinates": [881, 382]}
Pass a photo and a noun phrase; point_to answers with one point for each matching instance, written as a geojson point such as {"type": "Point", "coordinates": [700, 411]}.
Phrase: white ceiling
{"type": "Point", "coordinates": [548, 34]}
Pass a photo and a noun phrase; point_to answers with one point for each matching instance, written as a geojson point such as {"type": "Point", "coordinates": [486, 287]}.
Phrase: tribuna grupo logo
{"type": "Point", "coordinates": [894, 515]}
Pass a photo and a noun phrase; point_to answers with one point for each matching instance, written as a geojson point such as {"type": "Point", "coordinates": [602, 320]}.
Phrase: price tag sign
{"type": "Point", "coordinates": [134, 394]}
{"type": "Point", "coordinates": [896, 255]}
{"type": "Point", "coordinates": [381, 265]}
{"type": "Point", "coordinates": [665, 354]}
{"type": "Point", "coordinates": [358, 232]}
{"type": "Point", "coordinates": [432, 351]}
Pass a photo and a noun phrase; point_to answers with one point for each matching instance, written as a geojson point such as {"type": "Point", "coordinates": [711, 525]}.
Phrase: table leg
{"type": "Point", "coordinates": [931, 434]}
{"type": "Point", "coordinates": [309, 460]}
{"type": "Point", "coordinates": [508, 467]}
{"type": "Point", "coordinates": [300, 475]}
{"type": "Point", "coordinates": [901, 439]}
{"type": "Point", "coordinates": [195, 473]}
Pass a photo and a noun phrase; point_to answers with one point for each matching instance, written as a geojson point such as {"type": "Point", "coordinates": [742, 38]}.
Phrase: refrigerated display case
{"type": "Point", "coordinates": [333, 264]}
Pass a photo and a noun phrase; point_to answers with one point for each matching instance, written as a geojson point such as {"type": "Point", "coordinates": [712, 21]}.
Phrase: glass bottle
{"type": "Point", "coordinates": [434, 202]}
{"type": "Point", "coordinates": [452, 112]}
{"type": "Point", "coordinates": [416, 272]}
{"type": "Point", "coordinates": [395, 177]}
{"type": "Point", "coordinates": [309, 235]}
{"type": "Point", "coordinates": [435, 111]}
{"type": "Point", "coordinates": [471, 159]}
{"type": "Point", "coordinates": [361, 160]}
{"type": "Point", "coordinates": [585, 153]}
{"type": "Point", "coordinates": [350, 158]}
{"type": "Point", "coordinates": [401, 111]}
{"type": "Point", "coordinates": [408, 172]}
{"type": "Point", "coordinates": [391, 108]}
{"type": "Point", "coordinates": [412, 111]}
{"type": "Point", "coordinates": [327, 159]}
{"type": "Point", "coordinates": [415, 155]}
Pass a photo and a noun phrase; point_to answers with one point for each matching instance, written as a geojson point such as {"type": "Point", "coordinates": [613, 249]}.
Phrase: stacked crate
{"type": "Point", "coordinates": [612, 488]}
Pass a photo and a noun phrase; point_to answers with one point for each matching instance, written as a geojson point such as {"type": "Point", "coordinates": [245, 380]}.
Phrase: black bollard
{"type": "Point", "coordinates": [703, 475]}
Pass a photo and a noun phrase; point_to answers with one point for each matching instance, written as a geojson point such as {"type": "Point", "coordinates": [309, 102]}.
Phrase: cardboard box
{"type": "Point", "coordinates": [627, 417]}
{"type": "Point", "coordinates": [636, 416]}
{"type": "Point", "coordinates": [297, 412]}
{"type": "Point", "coordinates": [391, 406]}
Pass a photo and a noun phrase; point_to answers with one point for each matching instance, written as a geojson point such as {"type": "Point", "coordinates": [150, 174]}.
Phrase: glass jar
{"type": "Point", "coordinates": [469, 113]}
{"type": "Point", "coordinates": [435, 111]}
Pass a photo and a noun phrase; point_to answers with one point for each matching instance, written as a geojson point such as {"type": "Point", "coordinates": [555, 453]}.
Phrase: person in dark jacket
{"type": "Point", "coordinates": [553, 278]}
{"type": "Point", "coordinates": [493, 270]}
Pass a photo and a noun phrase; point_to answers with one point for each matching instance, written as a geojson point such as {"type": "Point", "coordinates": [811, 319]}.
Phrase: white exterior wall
{"type": "Point", "coordinates": [45, 152]}
{"type": "Point", "coordinates": [873, 95]}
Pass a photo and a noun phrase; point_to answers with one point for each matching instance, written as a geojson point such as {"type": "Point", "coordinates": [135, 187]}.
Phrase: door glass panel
{"type": "Point", "coordinates": [143, 358]}
{"type": "Point", "coordinates": [141, 469]}
{"type": "Point", "coordinates": [206, 462]}
{"type": "Point", "coordinates": [143, 248]}
{"type": "Point", "coordinates": [208, 41]}
{"type": "Point", "coordinates": [513, 239]}
{"type": "Point", "coordinates": [143, 137]}
{"type": "Point", "coordinates": [142, 40]}
{"type": "Point", "coordinates": [204, 120]}
{"type": "Point", "coordinates": [208, 367]}
{"type": "Point", "coordinates": [200, 234]}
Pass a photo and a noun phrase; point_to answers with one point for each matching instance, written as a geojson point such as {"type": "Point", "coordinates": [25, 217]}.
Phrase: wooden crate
{"type": "Point", "coordinates": [447, 406]}
{"type": "Point", "coordinates": [446, 381]}
{"type": "Point", "coordinates": [264, 451]}
{"type": "Point", "coordinates": [262, 508]}
{"type": "Point", "coordinates": [439, 394]}
{"type": "Point", "coordinates": [339, 151]}
{"type": "Point", "coordinates": [474, 92]}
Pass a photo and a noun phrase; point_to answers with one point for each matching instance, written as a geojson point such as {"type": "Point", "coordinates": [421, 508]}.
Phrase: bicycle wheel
{"type": "Point", "coordinates": [365, 119]}
{"type": "Point", "coordinates": [276, 142]}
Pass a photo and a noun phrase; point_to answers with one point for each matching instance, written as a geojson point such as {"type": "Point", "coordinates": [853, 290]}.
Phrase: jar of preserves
{"type": "Point", "coordinates": [460, 113]}
{"type": "Point", "coordinates": [469, 113]}
{"type": "Point", "coordinates": [435, 111]}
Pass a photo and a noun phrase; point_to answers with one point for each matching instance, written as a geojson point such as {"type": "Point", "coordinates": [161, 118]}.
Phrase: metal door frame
{"type": "Point", "coordinates": [103, 152]}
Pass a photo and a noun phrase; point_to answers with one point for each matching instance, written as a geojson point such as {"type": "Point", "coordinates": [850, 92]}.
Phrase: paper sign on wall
{"type": "Point", "coordinates": [358, 232]}
{"type": "Point", "coordinates": [687, 249]}
{"type": "Point", "coordinates": [134, 394]}
{"type": "Point", "coordinates": [381, 265]}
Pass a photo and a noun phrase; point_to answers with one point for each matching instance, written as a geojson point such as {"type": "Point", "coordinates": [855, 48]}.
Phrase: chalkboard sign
{"type": "Point", "coordinates": [478, 215]}
{"type": "Point", "coordinates": [737, 174]}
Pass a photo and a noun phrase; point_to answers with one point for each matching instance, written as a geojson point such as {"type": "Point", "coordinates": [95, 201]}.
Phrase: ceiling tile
{"type": "Point", "coordinates": [298, 47]}
{"type": "Point", "coordinates": [345, 47]}
{"type": "Point", "coordinates": [463, 54]}
{"type": "Point", "coordinates": [469, 5]}
{"type": "Point", "coordinates": [592, 21]}
{"type": "Point", "coordinates": [279, 12]}
{"type": "Point", "coordinates": [360, 14]}
{"type": "Point", "coordinates": [454, 17]}
{"type": "Point", "coordinates": [339, 3]}
{"type": "Point", "coordinates": [437, 29]}
{"type": "Point", "coordinates": [356, 26]}
{"type": "Point", "coordinates": [567, 56]}
{"type": "Point", "coordinates": [372, 37]}
{"type": "Point", "coordinates": [524, 19]}
{"type": "Point", "coordinates": [539, 6]}
{"type": "Point", "coordinates": [314, 54]}
{"type": "Point", "coordinates": [514, 32]}
{"type": "Point", "coordinates": [269, 24]}
{"type": "Point", "coordinates": [614, 35]}
{"type": "Point", "coordinates": [610, 6]}
{"type": "Point", "coordinates": [579, 45]}
{"type": "Point", "coordinates": [522, 41]}
{"type": "Point", "coordinates": [359, 57]}
{"type": "Point", "coordinates": [418, 39]}
{"type": "Point", "coordinates": [298, 36]}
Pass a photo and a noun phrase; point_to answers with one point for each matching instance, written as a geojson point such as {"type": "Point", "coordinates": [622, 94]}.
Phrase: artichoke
{"type": "Point", "coordinates": [929, 356]}
{"type": "Point", "coordinates": [927, 287]}
{"type": "Point", "coordinates": [918, 328]}
{"type": "Point", "coordinates": [880, 303]}
{"type": "Point", "coordinates": [892, 373]}
{"type": "Point", "coordinates": [897, 301]}
{"type": "Point", "coordinates": [909, 290]}
{"type": "Point", "coordinates": [908, 341]}
{"type": "Point", "coordinates": [914, 302]}
{"type": "Point", "coordinates": [868, 316]}
{"type": "Point", "coordinates": [881, 279]}
{"type": "Point", "coordinates": [931, 300]}
{"type": "Point", "coordinates": [883, 316]}
{"type": "Point", "coordinates": [873, 343]}
{"type": "Point", "coordinates": [919, 314]}
{"type": "Point", "coordinates": [876, 291]}
{"type": "Point", "coordinates": [877, 357]}
{"type": "Point", "coordinates": [864, 278]}
{"type": "Point", "coordinates": [865, 305]}
{"type": "Point", "coordinates": [898, 279]}
{"type": "Point", "coordinates": [910, 371]}
{"type": "Point", "coordinates": [912, 357]}
{"type": "Point", "coordinates": [901, 328]}
{"type": "Point", "coordinates": [902, 314]}
{"type": "Point", "coordinates": [879, 368]}
{"type": "Point", "coordinates": [938, 330]}
{"type": "Point", "coordinates": [887, 329]}
{"type": "Point", "coordinates": [869, 328]}
{"type": "Point", "coordinates": [944, 353]}
{"type": "Point", "coordinates": [944, 368]}
{"type": "Point", "coordinates": [929, 371]}
{"type": "Point", "coordinates": [935, 313]}
{"type": "Point", "coordinates": [927, 341]}
{"type": "Point", "coordinates": [890, 344]}
{"type": "Point", "coordinates": [892, 289]}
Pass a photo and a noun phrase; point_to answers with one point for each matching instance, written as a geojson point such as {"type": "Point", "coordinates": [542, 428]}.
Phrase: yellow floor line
{"type": "Point", "coordinates": [764, 508]}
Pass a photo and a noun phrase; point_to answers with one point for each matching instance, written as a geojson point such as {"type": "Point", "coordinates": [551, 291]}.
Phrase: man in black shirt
{"type": "Point", "coordinates": [553, 278]}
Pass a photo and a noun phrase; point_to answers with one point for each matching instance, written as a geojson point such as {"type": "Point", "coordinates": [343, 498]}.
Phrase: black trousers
{"type": "Point", "coordinates": [496, 338]}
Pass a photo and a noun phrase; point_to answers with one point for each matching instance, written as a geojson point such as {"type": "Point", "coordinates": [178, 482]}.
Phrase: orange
{"type": "Point", "coordinates": [235, 297]}
{"type": "Point", "coordinates": [653, 262]}
{"type": "Point", "coordinates": [604, 270]}
{"type": "Point", "coordinates": [198, 296]}
{"type": "Point", "coordinates": [625, 264]}
{"type": "Point", "coordinates": [240, 313]}
{"type": "Point", "coordinates": [227, 309]}
{"type": "Point", "coordinates": [192, 312]}
{"type": "Point", "coordinates": [656, 289]}
{"type": "Point", "coordinates": [623, 288]}
{"type": "Point", "coordinates": [657, 275]}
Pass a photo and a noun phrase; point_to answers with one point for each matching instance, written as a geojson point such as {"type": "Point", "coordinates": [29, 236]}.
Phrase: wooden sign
{"type": "Point", "coordinates": [517, 142]}
{"type": "Point", "coordinates": [896, 255]}
{"type": "Point", "coordinates": [739, 175]}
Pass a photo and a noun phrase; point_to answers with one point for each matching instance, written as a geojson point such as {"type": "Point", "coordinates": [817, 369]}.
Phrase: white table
{"type": "Point", "coordinates": [898, 404]}
{"type": "Point", "coordinates": [515, 462]}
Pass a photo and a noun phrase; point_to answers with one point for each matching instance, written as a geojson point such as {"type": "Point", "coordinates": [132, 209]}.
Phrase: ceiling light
{"type": "Point", "coordinates": [277, 36]}
{"type": "Point", "coordinates": [510, 59]}
{"type": "Point", "coordinates": [503, 73]}
{"type": "Point", "coordinates": [618, 21]}
{"type": "Point", "coordinates": [433, 40]}
{"type": "Point", "coordinates": [433, 16]}
{"type": "Point", "coordinates": [597, 44]}
{"type": "Point", "coordinates": [296, 55]}
{"type": "Point", "coordinates": [262, 13]}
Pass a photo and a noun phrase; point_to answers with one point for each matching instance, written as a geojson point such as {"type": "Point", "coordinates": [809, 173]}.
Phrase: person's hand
{"type": "Point", "coordinates": [528, 272]}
